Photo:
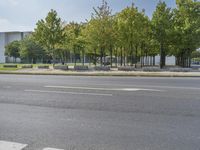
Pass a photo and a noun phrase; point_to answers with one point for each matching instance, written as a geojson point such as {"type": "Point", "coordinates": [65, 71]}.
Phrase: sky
{"type": "Point", "coordinates": [22, 15]}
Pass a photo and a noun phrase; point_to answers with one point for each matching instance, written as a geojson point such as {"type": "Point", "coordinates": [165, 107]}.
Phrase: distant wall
{"type": "Point", "coordinates": [6, 38]}
{"type": "Point", "coordinates": [170, 60]}
{"type": "Point", "coordinates": [2, 49]}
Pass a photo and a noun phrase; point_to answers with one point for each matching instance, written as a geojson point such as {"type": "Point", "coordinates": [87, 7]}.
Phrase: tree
{"type": "Point", "coordinates": [122, 35]}
{"type": "Point", "coordinates": [91, 35]}
{"type": "Point", "coordinates": [81, 44]}
{"type": "Point", "coordinates": [102, 25]}
{"type": "Point", "coordinates": [186, 30]}
{"type": "Point", "coordinates": [195, 56]}
{"type": "Point", "coordinates": [50, 33]}
{"type": "Point", "coordinates": [12, 49]}
{"type": "Point", "coordinates": [148, 45]}
{"type": "Point", "coordinates": [143, 42]}
{"type": "Point", "coordinates": [30, 50]}
{"type": "Point", "coordinates": [162, 23]}
{"type": "Point", "coordinates": [75, 42]}
{"type": "Point", "coordinates": [130, 22]}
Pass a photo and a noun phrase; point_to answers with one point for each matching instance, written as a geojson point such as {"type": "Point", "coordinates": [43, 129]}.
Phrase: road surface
{"type": "Point", "coordinates": [99, 113]}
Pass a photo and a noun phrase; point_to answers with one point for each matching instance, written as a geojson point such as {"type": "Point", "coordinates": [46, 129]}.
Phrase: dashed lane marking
{"type": "Point", "coordinates": [4, 145]}
{"type": "Point", "coordinates": [103, 89]}
{"type": "Point", "coordinates": [52, 149]}
{"type": "Point", "coordinates": [73, 93]}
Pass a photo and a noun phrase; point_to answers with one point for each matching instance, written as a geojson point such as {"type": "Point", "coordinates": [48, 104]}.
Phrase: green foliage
{"type": "Point", "coordinates": [187, 25]}
{"type": "Point", "coordinates": [30, 50]}
{"type": "Point", "coordinates": [162, 21]}
{"type": "Point", "coordinates": [195, 54]}
{"type": "Point", "coordinates": [186, 32]}
{"type": "Point", "coordinates": [49, 32]}
{"type": "Point", "coordinates": [128, 34]}
{"type": "Point", "coordinates": [102, 30]}
{"type": "Point", "coordinates": [76, 41]}
{"type": "Point", "coordinates": [12, 49]}
{"type": "Point", "coordinates": [162, 29]}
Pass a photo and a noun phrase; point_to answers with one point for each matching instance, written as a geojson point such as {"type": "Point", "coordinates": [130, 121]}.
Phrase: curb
{"type": "Point", "coordinates": [123, 74]}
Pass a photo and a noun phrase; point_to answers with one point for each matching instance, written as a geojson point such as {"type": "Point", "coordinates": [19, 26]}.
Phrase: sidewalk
{"type": "Point", "coordinates": [101, 73]}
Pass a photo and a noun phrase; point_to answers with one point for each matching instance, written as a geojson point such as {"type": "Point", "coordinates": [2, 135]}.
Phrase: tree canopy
{"type": "Point", "coordinates": [12, 49]}
{"type": "Point", "coordinates": [50, 32]}
{"type": "Point", "coordinates": [128, 37]}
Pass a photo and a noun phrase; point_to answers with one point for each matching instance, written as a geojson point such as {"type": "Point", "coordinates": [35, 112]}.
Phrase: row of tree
{"type": "Point", "coordinates": [129, 36]}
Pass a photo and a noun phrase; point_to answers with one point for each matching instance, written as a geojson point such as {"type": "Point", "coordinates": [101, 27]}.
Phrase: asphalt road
{"type": "Point", "coordinates": [100, 113]}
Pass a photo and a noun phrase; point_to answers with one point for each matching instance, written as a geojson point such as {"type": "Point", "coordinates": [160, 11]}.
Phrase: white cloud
{"type": "Point", "coordinates": [9, 26]}
{"type": "Point", "coordinates": [10, 3]}
{"type": "Point", "coordinates": [13, 2]}
{"type": "Point", "coordinates": [23, 14]}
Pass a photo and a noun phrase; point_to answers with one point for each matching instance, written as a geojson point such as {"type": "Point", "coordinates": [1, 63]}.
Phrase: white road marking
{"type": "Point", "coordinates": [5, 145]}
{"type": "Point", "coordinates": [140, 89]}
{"type": "Point", "coordinates": [104, 89]}
{"type": "Point", "coordinates": [51, 149]}
{"type": "Point", "coordinates": [152, 86]}
{"type": "Point", "coordinates": [73, 93]}
{"type": "Point", "coordinates": [177, 87]}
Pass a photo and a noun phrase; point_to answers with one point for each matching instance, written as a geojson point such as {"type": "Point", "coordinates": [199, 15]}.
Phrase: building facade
{"type": "Point", "coordinates": [6, 38]}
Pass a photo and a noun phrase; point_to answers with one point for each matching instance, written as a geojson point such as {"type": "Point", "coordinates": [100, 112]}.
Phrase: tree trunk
{"type": "Point", "coordinates": [162, 56]}
{"type": "Point", "coordinates": [101, 57]}
{"type": "Point", "coordinates": [189, 62]}
{"type": "Point", "coordinates": [141, 59]}
{"type": "Point", "coordinates": [136, 53]}
{"type": "Point", "coordinates": [111, 54]}
{"type": "Point", "coordinates": [143, 63]}
{"type": "Point", "coordinates": [151, 61]}
{"type": "Point", "coordinates": [83, 58]}
{"type": "Point", "coordinates": [132, 57]}
{"type": "Point", "coordinates": [95, 57]}
{"type": "Point", "coordinates": [121, 61]}
{"type": "Point", "coordinates": [104, 58]}
{"type": "Point", "coordinates": [124, 57]}
{"type": "Point", "coordinates": [74, 57]}
{"type": "Point", "coordinates": [146, 59]}
{"type": "Point", "coordinates": [116, 58]}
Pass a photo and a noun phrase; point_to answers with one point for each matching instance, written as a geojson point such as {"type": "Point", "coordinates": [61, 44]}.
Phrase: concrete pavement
{"type": "Point", "coordinates": [111, 113]}
{"type": "Point", "coordinates": [101, 73]}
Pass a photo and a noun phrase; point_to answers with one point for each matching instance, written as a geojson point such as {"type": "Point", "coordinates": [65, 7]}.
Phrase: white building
{"type": "Point", "coordinates": [7, 37]}
{"type": "Point", "coordinates": [170, 60]}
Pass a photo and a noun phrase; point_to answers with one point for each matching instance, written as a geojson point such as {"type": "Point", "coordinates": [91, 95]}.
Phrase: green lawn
{"type": "Point", "coordinates": [19, 66]}
{"type": "Point", "coordinates": [8, 69]}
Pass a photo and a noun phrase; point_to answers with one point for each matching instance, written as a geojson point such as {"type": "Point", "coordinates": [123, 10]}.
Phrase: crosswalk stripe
{"type": "Point", "coordinates": [52, 149]}
{"type": "Point", "coordinates": [4, 145]}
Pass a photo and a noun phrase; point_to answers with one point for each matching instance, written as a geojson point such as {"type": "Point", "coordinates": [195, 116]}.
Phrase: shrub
{"type": "Point", "coordinates": [152, 69]}
{"type": "Point", "coordinates": [180, 69]}
{"type": "Point", "coordinates": [43, 67]}
{"type": "Point", "coordinates": [127, 68]}
{"type": "Point", "coordinates": [81, 68]}
{"type": "Point", "coordinates": [27, 66]}
{"type": "Point", "coordinates": [10, 66]}
{"type": "Point", "coordinates": [102, 68]}
{"type": "Point", "coordinates": [61, 67]}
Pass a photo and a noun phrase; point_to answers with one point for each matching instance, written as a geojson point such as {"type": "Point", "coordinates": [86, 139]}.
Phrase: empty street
{"type": "Point", "coordinates": [99, 113]}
